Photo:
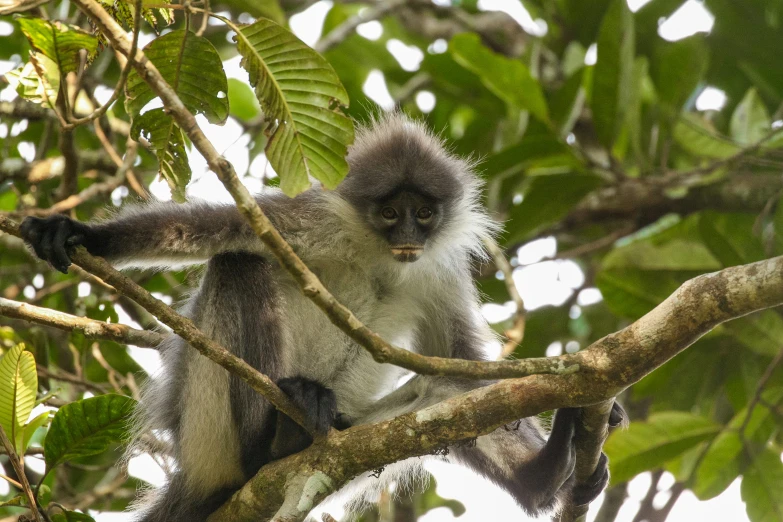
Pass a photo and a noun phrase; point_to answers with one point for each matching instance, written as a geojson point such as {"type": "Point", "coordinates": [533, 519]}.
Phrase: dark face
{"type": "Point", "coordinates": [406, 220]}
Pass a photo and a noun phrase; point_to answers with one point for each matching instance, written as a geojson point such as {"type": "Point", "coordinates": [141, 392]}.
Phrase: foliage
{"type": "Point", "coordinates": [640, 188]}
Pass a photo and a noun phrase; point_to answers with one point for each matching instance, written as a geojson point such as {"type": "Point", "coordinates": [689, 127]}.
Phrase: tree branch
{"type": "Point", "coordinates": [18, 466]}
{"type": "Point", "coordinates": [344, 30]}
{"type": "Point", "coordinates": [609, 366]}
{"type": "Point", "coordinates": [91, 328]}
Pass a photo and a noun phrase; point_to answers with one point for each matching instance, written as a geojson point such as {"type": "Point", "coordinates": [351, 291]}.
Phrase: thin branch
{"type": "Point", "coordinates": [183, 327]}
{"type": "Point", "coordinates": [91, 328]}
{"type": "Point", "coordinates": [71, 379]}
{"type": "Point", "coordinates": [610, 365]}
{"type": "Point", "coordinates": [344, 30]}
{"type": "Point", "coordinates": [97, 113]}
{"type": "Point", "coordinates": [516, 333]}
{"type": "Point", "coordinates": [16, 462]}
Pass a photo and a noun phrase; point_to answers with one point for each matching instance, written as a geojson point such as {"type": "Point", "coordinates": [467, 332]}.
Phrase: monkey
{"type": "Point", "coordinates": [395, 242]}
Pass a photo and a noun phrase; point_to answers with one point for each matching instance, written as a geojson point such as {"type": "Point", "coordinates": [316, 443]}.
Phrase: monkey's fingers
{"type": "Point", "coordinates": [60, 258]}
{"type": "Point", "coordinates": [594, 485]}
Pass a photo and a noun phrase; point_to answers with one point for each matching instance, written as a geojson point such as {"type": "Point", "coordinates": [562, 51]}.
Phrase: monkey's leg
{"type": "Point", "coordinates": [224, 433]}
{"type": "Point", "coordinates": [545, 480]}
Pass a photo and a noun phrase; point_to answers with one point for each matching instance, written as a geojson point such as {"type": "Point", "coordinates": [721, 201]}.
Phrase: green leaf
{"type": "Point", "coordinates": [87, 427]}
{"type": "Point", "coordinates": [762, 485]}
{"type": "Point", "coordinates": [638, 275]}
{"type": "Point", "coordinates": [750, 121]}
{"type": "Point", "coordinates": [632, 293]}
{"type": "Point", "coordinates": [777, 223]}
{"type": "Point", "coordinates": [761, 332]}
{"type": "Point", "coordinates": [299, 93]}
{"type": "Point", "coordinates": [540, 150]}
{"type": "Point", "coordinates": [719, 467]}
{"type": "Point", "coordinates": [71, 516]}
{"type": "Point", "coordinates": [697, 136]}
{"type": "Point", "coordinates": [243, 103]}
{"type": "Point", "coordinates": [61, 43]}
{"type": "Point", "coordinates": [168, 142]}
{"type": "Point", "coordinates": [29, 429]}
{"type": "Point", "coordinates": [509, 79]}
{"type": "Point", "coordinates": [8, 201]}
{"type": "Point", "coordinates": [613, 73]}
{"type": "Point", "coordinates": [38, 80]}
{"type": "Point", "coordinates": [192, 66]}
{"type": "Point", "coordinates": [730, 237]}
{"type": "Point", "coordinates": [18, 386]}
{"type": "Point", "coordinates": [648, 445]}
{"type": "Point", "coordinates": [17, 501]}
{"type": "Point", "coordinates": [722, 462]}
{"type": "Point", "coordinates": [677, 67]}
{"type": "Point", "coordinates": [546, 199]}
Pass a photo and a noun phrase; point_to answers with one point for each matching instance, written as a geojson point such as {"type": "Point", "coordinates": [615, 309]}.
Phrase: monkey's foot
{"type": "Point", "coordinates": [587, 492]}
{"type": "Point", "coordinates": [317, 401]}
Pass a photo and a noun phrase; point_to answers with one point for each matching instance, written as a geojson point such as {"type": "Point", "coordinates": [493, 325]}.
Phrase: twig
{"type": "Point", "coordinates": [72, 379]}
{"type": "Point", "coordinates": [97, 113]}
{"type": "Point", "coordinates": [12, 481]}
{"type": "Point", "coordinates": [91, 328]}
{"type": "Point", "coordinates": [342, 31]}
{"type": "Point", "coordinates": [16, 462]}
{"type": "Point", "coordinates": [516, 333]}
{"type": "Point", "coordinates": [204, 19]}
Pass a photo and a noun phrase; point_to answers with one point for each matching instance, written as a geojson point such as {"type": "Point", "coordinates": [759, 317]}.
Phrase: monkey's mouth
{"type": "Point", "coordinates": [407, 253]}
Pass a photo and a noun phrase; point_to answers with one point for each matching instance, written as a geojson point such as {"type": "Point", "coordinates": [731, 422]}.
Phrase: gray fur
{"type": "Point", "coordinates": [219, 428]}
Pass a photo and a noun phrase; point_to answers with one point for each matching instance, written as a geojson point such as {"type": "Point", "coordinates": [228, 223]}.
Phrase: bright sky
{"type": "Point", "coordinates": [540, 283]}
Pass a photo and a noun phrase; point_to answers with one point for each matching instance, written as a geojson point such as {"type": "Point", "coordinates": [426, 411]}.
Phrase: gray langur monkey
{"type": "Point", "coordinates": [394, 243]}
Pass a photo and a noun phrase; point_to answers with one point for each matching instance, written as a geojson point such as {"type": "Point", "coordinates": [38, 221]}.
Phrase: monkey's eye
{"type": "Point", "coordinates": [389, 213]}
{"type": "Point", "coordinates": [424, 213]}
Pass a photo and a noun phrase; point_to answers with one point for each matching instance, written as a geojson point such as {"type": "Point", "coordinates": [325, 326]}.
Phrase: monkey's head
{"type": "Point", "coordinates": [409, 190]}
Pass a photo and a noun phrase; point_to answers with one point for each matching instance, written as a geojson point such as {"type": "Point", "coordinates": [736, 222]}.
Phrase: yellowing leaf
{"type": "Point", "coordinates": [18, 385]}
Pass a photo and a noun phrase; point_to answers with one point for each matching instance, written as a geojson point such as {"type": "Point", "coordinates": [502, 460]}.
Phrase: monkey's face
{"type": "Point", "coordinates": [406, 220]}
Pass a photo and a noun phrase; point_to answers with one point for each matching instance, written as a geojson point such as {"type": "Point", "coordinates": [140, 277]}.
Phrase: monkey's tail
{"type": "Point", "coordinates": [174, 503]}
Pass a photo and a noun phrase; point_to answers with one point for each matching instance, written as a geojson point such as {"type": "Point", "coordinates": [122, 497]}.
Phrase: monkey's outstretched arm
{"type": "Point", "coordinates": [160, 234]}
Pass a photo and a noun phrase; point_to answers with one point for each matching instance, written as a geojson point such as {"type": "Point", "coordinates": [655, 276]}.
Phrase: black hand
{"type": "Point", "coordinates": [52, 238]}
{"type": "Point", "coordinates": [319, 406]}
{"type": "Point", "coordinates": [587, 491]}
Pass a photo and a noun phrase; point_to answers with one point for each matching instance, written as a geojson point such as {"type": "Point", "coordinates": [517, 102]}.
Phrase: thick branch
{"type": "Point", "coordinates": [648, 199]}
{"type": "Point", "coordinates": [91, 328]}
{"type": "Point", "coordinates": [608, 366]}
{"type": "Point", "coordinates": [183, 327]}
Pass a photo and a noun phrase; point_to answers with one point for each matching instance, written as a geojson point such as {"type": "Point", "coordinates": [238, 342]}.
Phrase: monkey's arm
{"type": "Point", "coordinates": [162, 234]}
